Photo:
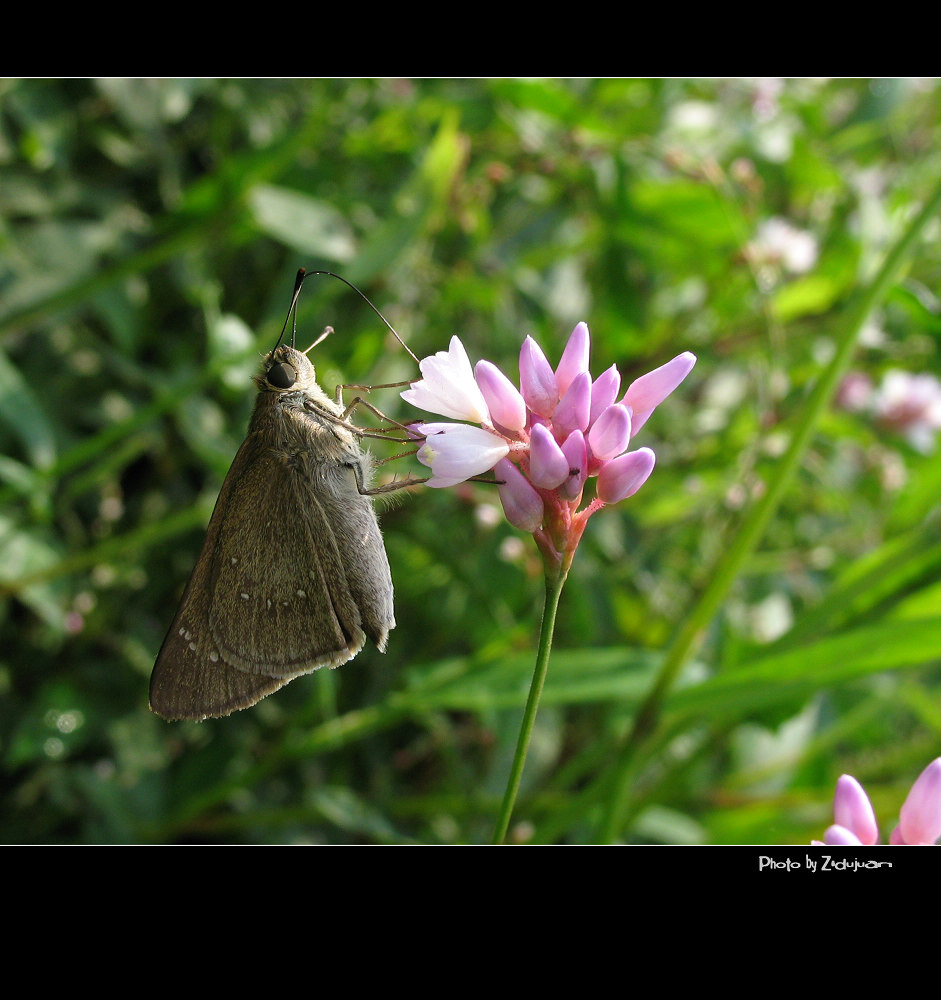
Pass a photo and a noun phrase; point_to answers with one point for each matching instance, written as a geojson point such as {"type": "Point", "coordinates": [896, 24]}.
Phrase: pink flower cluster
{"type": "Point", "coordinates": [919, 817]}
{"type": "Point", "coordinates": [544, 439]}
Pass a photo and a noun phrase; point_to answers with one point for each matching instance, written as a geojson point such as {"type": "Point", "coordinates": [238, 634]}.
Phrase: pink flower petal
{"type": "Point", "coordinates": [650, 390]}
{"type": "Point", "coordinates": [839, 836]}
{"type": "Point", "coordinates": [622, 477]}
{"type": "Point", "coordinates": [448, 386]}
{"type": "Point", "coordinates": [537, 380]}
{"type": "Point", "coordinates": [574, 357]}
{"type": "Point", "coordinates": [853, 810]}
{"type": "Point", "coordinates": [548, 466]}
{"type": "Point", "coordinates": [604, 391]}
{"type": "Point", "coordinates": [610, 434]}
{"type": "Point", "coordinates": [574, 407]}
{"type": "Point", "coordinates": [576, 454]}
{"type": "Point", "coordinates": [456, 452]}
{"type": "Point", "coordinates": [503, 398]}
{"type": "Point", "coordinates": [638, 420]}
{"type": "Point", "coordinates": [521, 503]}
{"type": "Point", "coordinates": [920, 816]}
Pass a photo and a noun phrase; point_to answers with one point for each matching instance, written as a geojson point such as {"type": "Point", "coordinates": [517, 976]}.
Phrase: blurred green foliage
{"type": "Point", "coordinates": [150, 234]}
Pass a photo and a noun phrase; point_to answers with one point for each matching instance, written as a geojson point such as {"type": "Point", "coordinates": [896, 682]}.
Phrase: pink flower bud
{"type": "Point", "coordinates": [506, 404]}
{"type": "Point", "coordinates": [649, 391]}
{"type": "Point", "coordinates": [456, 452]}
{"type": "Point", "coordinates": [521, 503]}
{"type": "Point", "coordinates": [574, 357]}
{"type": "Point", "coordinates": [604, 391]}
{"type": "Point", "coordinates": [537, 380]}
{"type": "Point", "coordinates": [610, 434]}
{"type": "Point", "coordinates": [623, 477]}
{"type": "Point", "coordinates": [576, 454]}
{"type": "Point", "coordinates": [548, 466]}
{"type": "Point", "coordinates": [574, 407]}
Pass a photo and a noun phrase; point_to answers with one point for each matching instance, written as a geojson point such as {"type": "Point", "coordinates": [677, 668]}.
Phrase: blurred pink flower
{"type": "Point", "coordinates": [911, 405]}
{"type": "Point", "coordinates": [907, 404]}
{"type": "Point", "coordinates": [545, 439]}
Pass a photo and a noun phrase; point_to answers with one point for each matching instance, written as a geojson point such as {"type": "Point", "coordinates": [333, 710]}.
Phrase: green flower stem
{"type": "Point", "coordinates": [746, 536]}
{"type": "Point", "coordinates": [554, 583]}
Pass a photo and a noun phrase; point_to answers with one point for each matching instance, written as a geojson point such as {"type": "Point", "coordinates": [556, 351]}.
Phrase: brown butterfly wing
{"type": "Point", "coordinates": [268, 599]}
{"type": "Point", "coordinates": [358, 541]}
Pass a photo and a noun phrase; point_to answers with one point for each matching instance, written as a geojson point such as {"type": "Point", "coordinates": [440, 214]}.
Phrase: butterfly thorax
{"type": "Point", "coordinates": [296, 411]}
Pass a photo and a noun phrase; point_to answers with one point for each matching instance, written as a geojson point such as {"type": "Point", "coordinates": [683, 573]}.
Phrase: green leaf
{"type": "Point", "coordinates": [21, 412]}
{"type": "Point", "coordinates": [301, 222]}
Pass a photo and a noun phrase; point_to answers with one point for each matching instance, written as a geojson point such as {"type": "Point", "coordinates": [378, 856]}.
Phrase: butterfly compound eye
{"type": "Point", "coordinates": [282, 375]}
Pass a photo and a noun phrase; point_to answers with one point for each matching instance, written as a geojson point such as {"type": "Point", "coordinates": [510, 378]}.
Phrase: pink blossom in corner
{"type": "Point", "coordinates": [919, 817]}
{"type": "Point", "coordinates": [852, 810]}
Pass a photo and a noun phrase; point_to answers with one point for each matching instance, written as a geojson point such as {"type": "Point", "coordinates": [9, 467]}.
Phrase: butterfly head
{"type": "Point", "coordinates": [286, 370]}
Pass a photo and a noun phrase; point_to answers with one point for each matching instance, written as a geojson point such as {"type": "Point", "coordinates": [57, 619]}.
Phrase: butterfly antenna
{"type": "Point", "coordinates": [300, 278]}
{"type": "Point", "coordinates": [292, 312]}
